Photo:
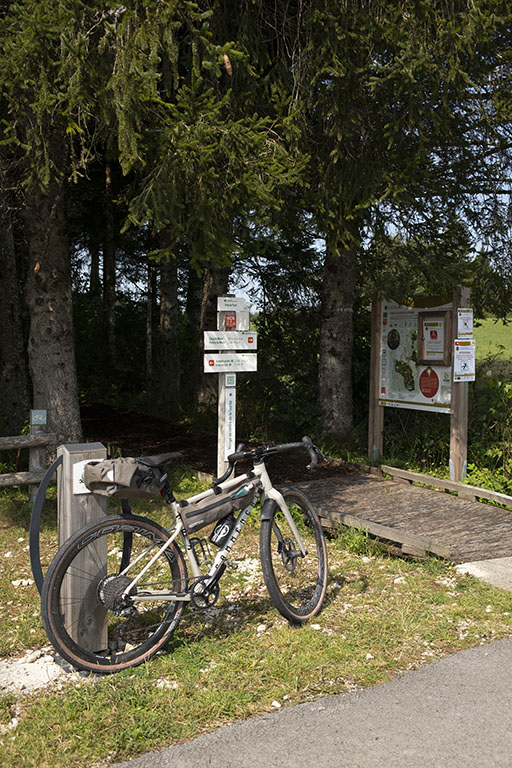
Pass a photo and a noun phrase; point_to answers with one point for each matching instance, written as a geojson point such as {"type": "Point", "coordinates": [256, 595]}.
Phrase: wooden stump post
{"type": "Point", "coordinates": [77, 507]}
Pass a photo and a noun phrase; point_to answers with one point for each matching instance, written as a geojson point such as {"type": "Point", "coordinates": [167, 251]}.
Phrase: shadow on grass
{"type": "Point", "coordinates": [17, 512]}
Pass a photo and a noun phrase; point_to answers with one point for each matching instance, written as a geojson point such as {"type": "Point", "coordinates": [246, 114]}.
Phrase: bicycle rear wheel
{"type": "Point", "coordinates": [296, 582]}
{"type": "Point", "coordinates": [84, 613]}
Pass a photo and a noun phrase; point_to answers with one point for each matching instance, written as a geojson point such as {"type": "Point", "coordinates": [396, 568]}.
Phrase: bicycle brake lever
{"type": "Point", "coordinates": [313, 451]}
{"type": "Point", "coordinates": [308, 444]}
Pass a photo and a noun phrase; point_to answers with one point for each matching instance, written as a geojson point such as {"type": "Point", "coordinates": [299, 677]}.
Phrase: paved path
{"type": "Point", "coordinates": [453, 713]}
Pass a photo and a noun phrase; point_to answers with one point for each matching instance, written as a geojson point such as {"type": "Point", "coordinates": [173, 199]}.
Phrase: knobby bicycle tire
{"type": "Point", "coordinates": [296, 584]}
{"type": "Point", "coordinates": [82, 605]}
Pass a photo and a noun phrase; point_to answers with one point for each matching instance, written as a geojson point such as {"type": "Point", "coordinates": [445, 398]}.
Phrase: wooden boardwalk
{"type": "Point", "coordinates": [414, 518]}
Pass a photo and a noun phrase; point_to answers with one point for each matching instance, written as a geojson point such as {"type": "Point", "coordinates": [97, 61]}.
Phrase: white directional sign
{"type": "Point", "coordinates": [232, 340]}
{"type": "Point", "coordinates": [225, 363]}
{"type": "Point", "coordinates": [231, 304]}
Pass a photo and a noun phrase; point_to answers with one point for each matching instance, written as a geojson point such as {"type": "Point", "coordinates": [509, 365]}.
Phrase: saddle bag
{"type": "Point", "coordinates": [123, 478]}
{"type": "Point", "coordinates": [201, 513]}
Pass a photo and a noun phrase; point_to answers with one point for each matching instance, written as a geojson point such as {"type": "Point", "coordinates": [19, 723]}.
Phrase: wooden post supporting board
{"type": "Point", "coordinates": [459, 402]}
{"type": "Point", "coordinates": [376, 413]}
{"type": "Point", "coordinates": [76, 507]}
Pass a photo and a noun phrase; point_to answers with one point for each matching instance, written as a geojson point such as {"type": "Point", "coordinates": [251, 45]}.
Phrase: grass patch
{"type": "Point", "coordinates": [493, 339]}
{"type": "Point", "coordinates": [382, 615]}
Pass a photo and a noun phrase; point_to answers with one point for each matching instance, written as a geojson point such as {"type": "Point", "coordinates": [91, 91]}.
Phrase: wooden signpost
{"type": "Point", "coordinates": [235, 346]}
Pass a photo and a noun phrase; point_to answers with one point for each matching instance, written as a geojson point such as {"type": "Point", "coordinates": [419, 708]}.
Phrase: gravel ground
{"type": "Point", "coordinates": [33, 671]}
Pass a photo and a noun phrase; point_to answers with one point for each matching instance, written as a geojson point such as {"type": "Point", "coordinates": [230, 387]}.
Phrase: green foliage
{"type": "Point", "coordinates": [281, 400]}
{"type": "Point", "coordinates": [358, 542]}
{"type": "Point", "coordinates": [493, 340]}
{"type": "Point", "coordinates": [490, 424]}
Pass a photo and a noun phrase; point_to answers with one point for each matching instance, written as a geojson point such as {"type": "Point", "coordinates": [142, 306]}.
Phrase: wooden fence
{"type": "Point", "coordinates": [37, 449]}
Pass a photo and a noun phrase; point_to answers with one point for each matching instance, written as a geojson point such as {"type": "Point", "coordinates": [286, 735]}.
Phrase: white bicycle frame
{"type": "Point", "coordinates": [259, 477]}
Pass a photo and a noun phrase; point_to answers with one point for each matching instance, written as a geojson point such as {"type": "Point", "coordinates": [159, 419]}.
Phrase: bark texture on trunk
{"type": "Point", "coordinates": [14, 385]}
{"type": "Point", "coordinates": [94, 276]}
{"type": "Point", "coordinates": [51, 345]}
{"type": "Point", "coordinates": [169, 352]}
{"type": "Point", "coordinates": [215, 284]}
{"type": "Point", "coordinates": [190, 364]}
{"type": "Point", "coordinates": [109, 269]}
{"type": "Point", "coordinates": [151, 281]}
{"type": "Point", "coordinates": [336, 339]}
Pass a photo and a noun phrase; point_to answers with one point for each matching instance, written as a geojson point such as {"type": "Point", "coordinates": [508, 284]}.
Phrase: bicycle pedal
{"type": "Point", "coordinates": [231, 564]}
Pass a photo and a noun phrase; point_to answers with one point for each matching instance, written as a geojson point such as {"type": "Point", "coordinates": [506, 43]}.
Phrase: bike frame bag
{"type": "Point", "coordinates": [201, 513]}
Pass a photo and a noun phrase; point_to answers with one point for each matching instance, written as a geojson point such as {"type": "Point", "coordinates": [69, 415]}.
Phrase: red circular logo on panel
{"type": "Point", "coordinates": [429, 383]}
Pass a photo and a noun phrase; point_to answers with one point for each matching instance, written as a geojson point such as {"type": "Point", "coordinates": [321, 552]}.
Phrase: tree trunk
{"type": "Point", "coordinates": [336, 338]}
{"type": "Point", "coordinates": [51, 345]}
{"type": "Point", "coordinates": [149, 324]}
{"type": "Point", "coordinates": [169, 352]}
{"type": "Point", "coordinates": [109, 270]}
{"type": "Point", "coordinates": [215, 284]}
{"type": "Point", "coordinates": [191, 341]}
{"type": "Point", "coordinates": [94, 275]}
{"type": "Point", "coordinates": [14, 385]}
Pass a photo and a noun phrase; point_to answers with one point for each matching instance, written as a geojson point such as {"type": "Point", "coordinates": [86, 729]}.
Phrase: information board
{"type": "Point", "coordinates": [406, 380]}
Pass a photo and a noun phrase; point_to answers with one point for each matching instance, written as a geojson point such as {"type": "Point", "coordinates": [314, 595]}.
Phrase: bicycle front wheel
{"type": "Point", "coordinates": [87, 616]}
{"type": "Point", "coordinates": [296, 581]}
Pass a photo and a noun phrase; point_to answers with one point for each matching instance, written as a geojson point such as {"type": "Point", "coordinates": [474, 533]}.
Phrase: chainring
{"type": "Point", "coordinates": [205, 595]}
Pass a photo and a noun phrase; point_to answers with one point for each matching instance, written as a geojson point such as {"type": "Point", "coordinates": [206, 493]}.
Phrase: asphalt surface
{"type": "Point", "coordinates": [452, 713]}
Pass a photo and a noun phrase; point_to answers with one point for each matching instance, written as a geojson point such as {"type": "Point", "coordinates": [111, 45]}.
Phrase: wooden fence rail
{"type": "Point", "coordinates": [463, 491]}
{"type": "Point", "coordinates": [34, 443]}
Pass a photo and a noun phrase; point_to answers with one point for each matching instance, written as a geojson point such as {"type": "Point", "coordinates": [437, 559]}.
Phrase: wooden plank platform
{"type": "Point", "coordinates": [414, 518]}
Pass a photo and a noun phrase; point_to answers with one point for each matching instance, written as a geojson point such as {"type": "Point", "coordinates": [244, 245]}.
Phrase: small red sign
{"type": "Point", "coordinates": [250, 339]}
{"type": "Point", "coordinates": [230, 320]}
{"type": "Point", "coordinates": [429, 383]}
{"type": "Point", "coordinates": [211, 363]}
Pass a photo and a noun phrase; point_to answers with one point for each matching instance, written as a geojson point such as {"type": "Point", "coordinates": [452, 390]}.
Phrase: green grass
{"type": "Point", "coordinates": [382, 615]}
{"type": "Point", "coordinates": [493, 339]}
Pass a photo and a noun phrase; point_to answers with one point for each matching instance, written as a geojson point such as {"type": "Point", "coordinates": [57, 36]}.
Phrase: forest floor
{"type": "Point", "coordinates": [132, 434]}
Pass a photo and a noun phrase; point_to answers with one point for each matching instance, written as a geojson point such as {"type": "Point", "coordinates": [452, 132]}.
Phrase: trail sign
{"type": "Point", "coordinates": [231, 304]}
{"type": "Point", "coordinates": [230, 340]}
{"type": "Point", "coordinates": [226, 363]}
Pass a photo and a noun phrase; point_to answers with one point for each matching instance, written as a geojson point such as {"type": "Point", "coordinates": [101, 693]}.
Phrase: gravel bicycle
{"type": "Point", "coordinates": [116, 590]}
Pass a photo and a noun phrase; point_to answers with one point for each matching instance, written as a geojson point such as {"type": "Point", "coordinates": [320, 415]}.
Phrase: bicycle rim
{"type": "Point", "coordinates": [85, 616]}
{"type": "Point", "coordinates": [296, 582]}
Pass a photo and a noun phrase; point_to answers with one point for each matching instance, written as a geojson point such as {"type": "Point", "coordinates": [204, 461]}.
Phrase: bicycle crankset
{"type": "Point", "coordinates": [205, 594]}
